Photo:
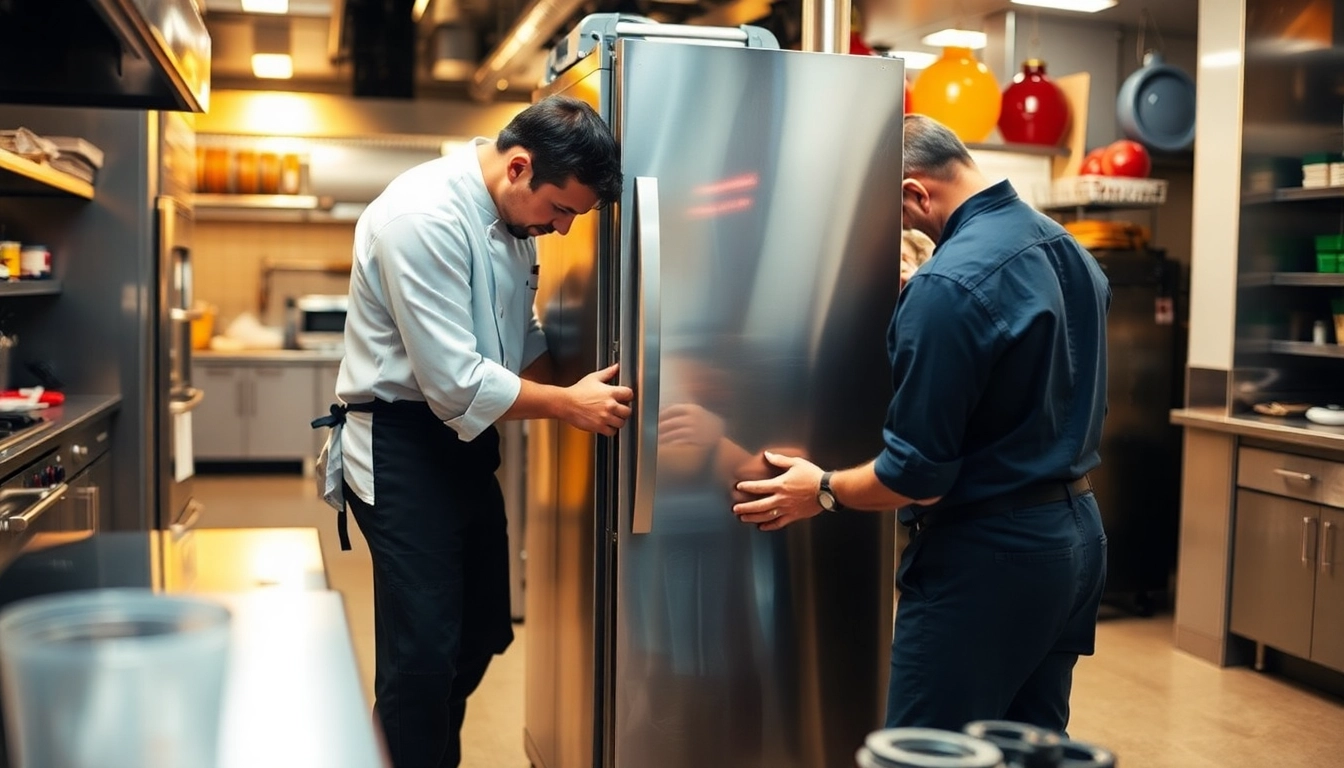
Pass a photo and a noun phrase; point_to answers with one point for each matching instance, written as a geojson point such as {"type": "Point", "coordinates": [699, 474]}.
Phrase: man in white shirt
{"type": "Point", "coordinates": [442, 342]}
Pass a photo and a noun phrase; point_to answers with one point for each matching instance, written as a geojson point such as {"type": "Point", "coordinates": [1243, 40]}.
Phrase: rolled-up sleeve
{"type": "Point", "coordinates": [425, 264]}
{"type": "Point", "coordinates": [944, 341]}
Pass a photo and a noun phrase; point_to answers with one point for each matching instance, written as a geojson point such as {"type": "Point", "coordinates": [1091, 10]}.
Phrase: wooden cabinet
{"type": "Point", "coordinates": [1287, 585]}
{"type": "Point", "coordinates": [255, 411]}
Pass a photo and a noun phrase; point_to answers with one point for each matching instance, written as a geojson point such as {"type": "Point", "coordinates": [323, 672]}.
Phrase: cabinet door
{"type": "Point", "coordinates": [1327, 634]}
{"type": "Point", "coordinates": [217, 423]}
{"type": "Point", "coordinates": [280, 403]}
{"type": "Point", "coordinates": [324, 394]}
{"type": "Point", "coordinates": [1274, 571]}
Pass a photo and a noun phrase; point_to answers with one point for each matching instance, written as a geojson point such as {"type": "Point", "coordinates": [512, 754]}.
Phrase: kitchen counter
{"type": "Point", "coordinates": [77, 411]}
{"type": "Point", "coordinates": [1294, 430]}
{"type": "Point", "coordinates": [292, 693]}
{"type": "Point", "coordinates": [268, 356]}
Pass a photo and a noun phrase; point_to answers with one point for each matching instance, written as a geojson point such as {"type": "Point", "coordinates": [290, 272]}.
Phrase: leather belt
{"type": "Point", "coordinates": [1034, 495]}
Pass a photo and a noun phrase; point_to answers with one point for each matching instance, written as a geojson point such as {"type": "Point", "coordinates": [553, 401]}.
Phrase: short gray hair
{"type": "Point", "coordinates": [932, 149]}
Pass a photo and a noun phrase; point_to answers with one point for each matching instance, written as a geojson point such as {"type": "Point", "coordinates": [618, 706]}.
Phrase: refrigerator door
{"type": "Point", "coordinates": [566, 504]}
{"type": "Point", "coordinates": [759, 253]}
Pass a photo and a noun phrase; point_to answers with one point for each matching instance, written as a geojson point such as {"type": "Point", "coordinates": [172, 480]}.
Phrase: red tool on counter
{"type": "Point", "coordinates": [47, 396]}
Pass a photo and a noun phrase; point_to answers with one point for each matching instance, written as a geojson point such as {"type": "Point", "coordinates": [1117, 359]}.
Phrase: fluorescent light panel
{"type": "Point", "coordinates": [265, 6]}
{"type": "Point", "coordinates": [956, 38]}
{"type": "Point", "coordinates": [273, 66]}
{"type": "Point", "coordinates": [1080, 6]}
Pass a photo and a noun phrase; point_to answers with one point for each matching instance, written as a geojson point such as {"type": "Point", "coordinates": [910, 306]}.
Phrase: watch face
{"type": "Point", "coordinates": [826, 500]}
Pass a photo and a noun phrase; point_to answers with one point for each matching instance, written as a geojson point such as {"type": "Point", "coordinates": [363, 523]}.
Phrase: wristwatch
{"type": "Point", "coordinates": [825, 496]}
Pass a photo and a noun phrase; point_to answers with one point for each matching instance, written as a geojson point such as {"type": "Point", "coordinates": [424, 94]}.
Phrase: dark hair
{"type": "Point", "coordinates": [932, 149]}
{"type": "Point", "coordinates": [567, 138]}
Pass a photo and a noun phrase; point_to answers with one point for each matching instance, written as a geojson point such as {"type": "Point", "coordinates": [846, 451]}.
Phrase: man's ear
{"type": "Point", "coordinates": [520, 163]}
{"type": "Point", "coordinates": [915, 191]}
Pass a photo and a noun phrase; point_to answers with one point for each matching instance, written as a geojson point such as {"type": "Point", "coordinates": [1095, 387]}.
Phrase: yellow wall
{"type": "Point", "coordinates": [228, 258]}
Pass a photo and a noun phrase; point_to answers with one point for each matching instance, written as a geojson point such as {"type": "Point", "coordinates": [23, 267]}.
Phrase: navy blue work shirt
{"type": "Point", "coordinates": [998, 359]}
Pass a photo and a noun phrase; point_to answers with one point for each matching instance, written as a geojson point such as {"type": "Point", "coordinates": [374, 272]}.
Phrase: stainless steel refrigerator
{"type": "Point", "coordinates": [748, 277]}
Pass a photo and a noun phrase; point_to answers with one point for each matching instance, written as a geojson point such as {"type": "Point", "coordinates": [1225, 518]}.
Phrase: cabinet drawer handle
{"type": "Point", "coordinates": [1308, 528]}
{"type": "Point", "coordinates": [1288, 474]}
{"type": "Point", "coordinates": [1327, 547]}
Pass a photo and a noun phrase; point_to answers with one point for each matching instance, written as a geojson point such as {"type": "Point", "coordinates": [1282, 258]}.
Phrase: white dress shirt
{"type": "Point", "coordinates": [441, 311]}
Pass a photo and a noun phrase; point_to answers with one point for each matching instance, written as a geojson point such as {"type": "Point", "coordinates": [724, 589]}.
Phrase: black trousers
{"type": "Point", "coordinates": [438, 537]}
{"type": "Point", "coordinates": [993, 615]}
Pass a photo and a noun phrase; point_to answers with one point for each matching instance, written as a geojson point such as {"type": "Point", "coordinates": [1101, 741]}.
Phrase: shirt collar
{"type": "Point", "coordinates": [985, 200]}
{"type": "Point", "coordinates": [476, 179]}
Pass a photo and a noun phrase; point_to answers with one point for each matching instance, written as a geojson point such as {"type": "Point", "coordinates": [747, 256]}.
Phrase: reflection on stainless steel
{"type": "Point", "coordinates": [7, 444]}
{"type": "Point", "coordinates": [42, 500]}
{"type": "Point", "coordinates": [705, 642]}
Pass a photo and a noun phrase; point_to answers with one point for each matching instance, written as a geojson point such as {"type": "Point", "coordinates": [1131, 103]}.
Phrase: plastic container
{"type": "Point", "coordinates": [1327, 262]}
{"type": "Point", "coordinates": [115, 677]}
{"type": "Point", "coordinates": [34, 262]}
{"type": "Point", "coordinates": [203, 327]}
{"type": "Point", "coordinates": [10, 256]}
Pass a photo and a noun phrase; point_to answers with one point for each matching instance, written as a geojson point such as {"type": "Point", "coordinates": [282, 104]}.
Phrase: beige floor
{"type": "Point", "coordinates": [1155, 707]}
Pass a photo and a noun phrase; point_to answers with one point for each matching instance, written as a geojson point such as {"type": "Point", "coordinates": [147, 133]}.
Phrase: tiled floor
{"type": "Point", "coordinates": [1155, 707]}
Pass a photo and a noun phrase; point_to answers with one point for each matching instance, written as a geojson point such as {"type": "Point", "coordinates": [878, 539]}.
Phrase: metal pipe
{"type": "Point", "coordinates": [826, 25]}
{"type": "Point", "coordinates": [535, 25]}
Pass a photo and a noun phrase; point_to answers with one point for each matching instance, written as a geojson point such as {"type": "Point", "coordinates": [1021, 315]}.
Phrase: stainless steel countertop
{"type": "Point", "coordinates": [77, 411]}
{"type": "Point", "coordinates": [267, 357]}
{"type": "Point", "coordinates": [1290, 430]}
{"type": "Point", "coordinates": [292, 695]}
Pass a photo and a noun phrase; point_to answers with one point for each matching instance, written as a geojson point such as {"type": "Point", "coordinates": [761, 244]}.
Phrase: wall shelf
{"type": "Point", "coordinates": [19, 175]}
{"type": "Point", "coordinates": [1293, 279]}
{"type": "Point", "coordinates": [1293, 194]}
{"type": "Point", "coordinates": [30, 288]}
{"type": "Point", "coordinates": [1307, 349]}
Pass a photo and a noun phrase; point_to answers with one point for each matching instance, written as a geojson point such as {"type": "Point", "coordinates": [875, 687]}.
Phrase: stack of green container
{"type": "Point", "coordinates": [1330, 253]}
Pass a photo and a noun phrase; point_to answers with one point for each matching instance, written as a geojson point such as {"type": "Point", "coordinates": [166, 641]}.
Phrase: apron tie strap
{"type": "Point", "coordinates": [337, 417]}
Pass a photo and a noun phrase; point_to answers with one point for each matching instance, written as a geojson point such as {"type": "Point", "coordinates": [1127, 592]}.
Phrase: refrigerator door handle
{"type": "Point", "coordinates": [648, 356]}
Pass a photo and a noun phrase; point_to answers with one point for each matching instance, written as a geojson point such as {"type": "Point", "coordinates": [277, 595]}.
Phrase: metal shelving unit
{"type": "Point", "coordinates": [30, 288]}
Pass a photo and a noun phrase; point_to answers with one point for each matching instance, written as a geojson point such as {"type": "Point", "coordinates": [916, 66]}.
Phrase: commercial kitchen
{"type": "Point", "coordinates": [179, 186]}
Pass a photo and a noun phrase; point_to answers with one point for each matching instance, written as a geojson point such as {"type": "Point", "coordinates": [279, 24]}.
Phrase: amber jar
{"type": "Point", "coordinates": [290, 172]}
{"type": "Point", "coordinates": [268, 173]}
{"type": "Point", "coordinates": [245, 164]}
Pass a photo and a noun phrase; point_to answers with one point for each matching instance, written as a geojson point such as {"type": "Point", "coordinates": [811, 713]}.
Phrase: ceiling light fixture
{"type": "Point", "coordinates": [956, 38]}
{"type": "Point", "coordinates": [265, 6]}
{"type": "Point", "coordinates": [1079, 6]}
{"type": "Point", "coordinates": [270, 51]}
{"type": "Point", "coordinates": [272, 66]}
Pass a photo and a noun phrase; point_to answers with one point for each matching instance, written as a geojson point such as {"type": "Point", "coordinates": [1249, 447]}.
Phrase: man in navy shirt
{"type": "Point", "coordinates": [998, 356]}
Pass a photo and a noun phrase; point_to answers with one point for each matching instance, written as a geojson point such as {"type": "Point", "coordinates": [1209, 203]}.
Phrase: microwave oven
{"type": "Point", "coordinates": [319, 321]}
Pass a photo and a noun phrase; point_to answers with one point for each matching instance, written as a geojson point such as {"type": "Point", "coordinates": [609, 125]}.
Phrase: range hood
{"type": "Point", "coordinates": [139, 54]}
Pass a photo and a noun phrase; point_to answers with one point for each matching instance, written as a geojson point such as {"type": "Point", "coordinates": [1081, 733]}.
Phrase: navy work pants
{"type": "Point", "coordinates": [993, 614]}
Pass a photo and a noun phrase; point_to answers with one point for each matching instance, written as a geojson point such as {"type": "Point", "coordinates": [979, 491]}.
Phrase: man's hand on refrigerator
{"type": "Point", "coordinates": [784, 499]}
{"type": "Point", "coordinates": [593, 405]}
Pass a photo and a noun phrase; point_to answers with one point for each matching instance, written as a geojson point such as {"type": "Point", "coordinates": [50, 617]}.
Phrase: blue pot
{"type": "Point", "coordinates": [1156, 106]}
